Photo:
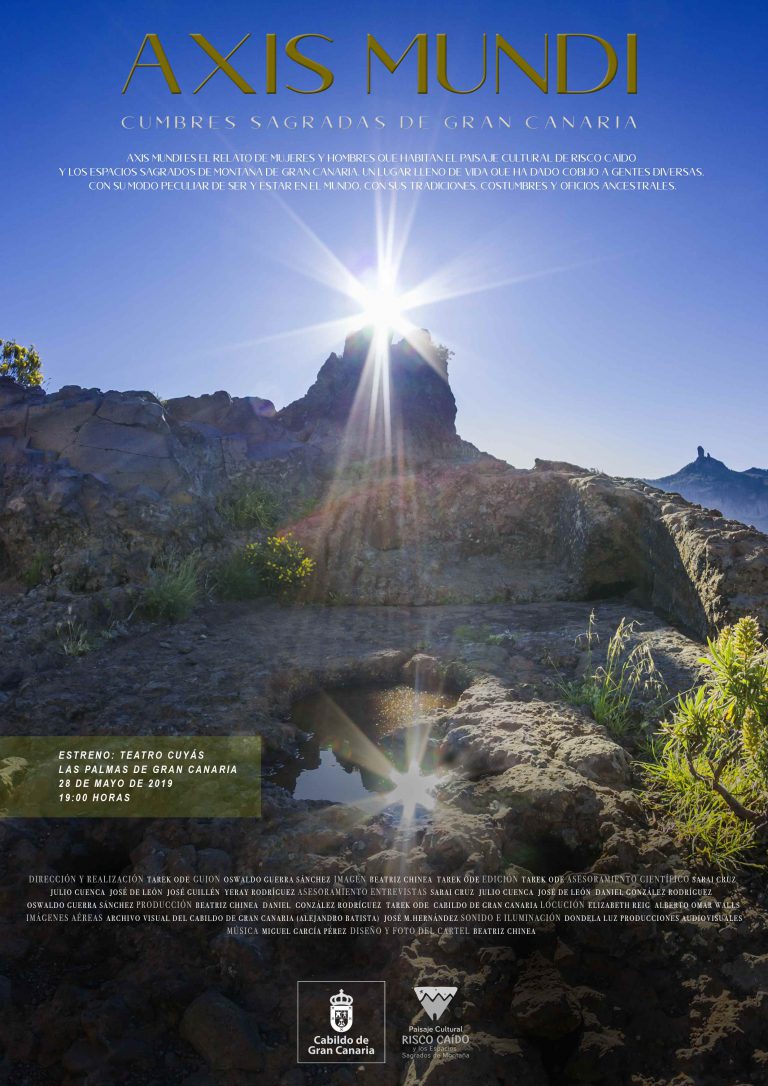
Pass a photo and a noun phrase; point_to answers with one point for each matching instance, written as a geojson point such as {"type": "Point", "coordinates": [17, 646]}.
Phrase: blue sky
{"type": "Point", "coordinates": [636, 327]}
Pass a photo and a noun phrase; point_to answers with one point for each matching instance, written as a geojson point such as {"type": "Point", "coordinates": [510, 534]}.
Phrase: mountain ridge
{"type": "Point", "coordinates": [739, 495]}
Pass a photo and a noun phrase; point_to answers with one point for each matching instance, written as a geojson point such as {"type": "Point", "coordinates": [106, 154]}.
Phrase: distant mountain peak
{"type": "Point", "coordinates": [741, 495]}
{"type": "Point", "coordinates": [705, 462]}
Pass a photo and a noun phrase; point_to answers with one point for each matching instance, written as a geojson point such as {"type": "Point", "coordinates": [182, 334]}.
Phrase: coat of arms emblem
{"type": "Point", "coordinates": [341, 1011]}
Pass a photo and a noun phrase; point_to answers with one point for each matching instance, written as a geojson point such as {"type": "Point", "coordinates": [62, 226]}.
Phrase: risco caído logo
{"type": "Point", "coordinates": [435, 1001]}
{"type": "Point", "coordinates": [421, 1042]}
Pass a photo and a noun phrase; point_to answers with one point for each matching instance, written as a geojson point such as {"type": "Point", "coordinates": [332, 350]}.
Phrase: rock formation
{"type": "Point", "coordinates": [407, 384]}
{"type": "Point", "coordinates": [405, 511]}
{"type": "Point", "coordinates": [485, 532]}
{"type": "Point", "coordinates": [742, 495]}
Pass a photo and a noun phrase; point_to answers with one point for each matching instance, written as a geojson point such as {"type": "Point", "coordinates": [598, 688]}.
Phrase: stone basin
{"type": "Point", "coordinates": [358, 737]}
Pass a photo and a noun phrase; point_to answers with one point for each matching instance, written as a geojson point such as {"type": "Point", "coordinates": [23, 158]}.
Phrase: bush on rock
{"type": "Point", "coordinates": [275, 565]}
{"type": "Point", "coordinates": [710, 772]}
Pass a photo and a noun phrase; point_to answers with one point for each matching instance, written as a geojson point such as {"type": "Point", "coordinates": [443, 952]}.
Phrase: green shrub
{"type": "Point", "coordinates": [281, 562]}
{"type": "Point", "coordinates": [38, 570]}
{"type": "Point", "coordinates": [249, 506]}
{"type": "Point", "coordinates": [696, 814]}
{"type": "Point", "coordinates": [709, 772]}
{"type": "Point", "coordinates": [174, 589]}
{"type": "Point", "coordinates": [237, 579]}
{"type": "Point", "coordinates": [611, 691]}
{"type": "Point", "coordinates": [275, 565]}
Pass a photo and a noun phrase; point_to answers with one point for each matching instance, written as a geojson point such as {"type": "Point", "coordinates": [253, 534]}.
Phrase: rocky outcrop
{"type": "Point", "coordinates": [742, 495]}
{"type": "Point", "coordinates": [94, 486]}
{"type": "Point", "coordinates": [98, 484]}
{"type": "Point", "coordinates": [120, 438]}
{"type": "Point", "coordinates": [381, 401]}
{"type": "Point", "coordinates": [135, 444]}
{"type": "Point", "coordinates": [485, 531]}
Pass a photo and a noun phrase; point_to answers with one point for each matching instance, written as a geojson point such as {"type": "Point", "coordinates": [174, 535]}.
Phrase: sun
{"type": "Point", "coordinates": [382, 308]}
{"type": "Point", "coordinates": [382, 304]}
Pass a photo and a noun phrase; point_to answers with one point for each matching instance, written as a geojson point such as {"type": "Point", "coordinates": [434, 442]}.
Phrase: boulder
{"type": "Point", "coordinates": [131, 412]}
{"type": "Point", "coordinates": [543, 1006]}
{"type": "Point", "coordinates": [749, 972]}
{"type": "Point", "coordinates": [598, 758]}
{"type": "Point", "coordinates": [482, 531]}
{"type": "Point", "coordinates": [55, 426]}
{"type": "Point", "coordinates": [226, 1036]}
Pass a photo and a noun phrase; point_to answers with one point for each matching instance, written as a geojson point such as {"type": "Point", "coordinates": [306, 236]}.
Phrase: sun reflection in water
{"type": "Point", "coordinates": [413, 789]}
{"type": "Point", "coordinates": [373, 741]}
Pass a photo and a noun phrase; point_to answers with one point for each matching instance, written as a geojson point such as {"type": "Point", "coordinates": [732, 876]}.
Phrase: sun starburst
{"type": "Point", "coordinates": [413, 789]}
{"type": "Point", "coordinates": [383, 304]}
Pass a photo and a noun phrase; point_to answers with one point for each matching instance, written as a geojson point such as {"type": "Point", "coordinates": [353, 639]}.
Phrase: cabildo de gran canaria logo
{"type": "Point", "coordinates": [341, 1011]}
{"type": "Point", "coordinates": [357, 1013]}
{"type": "Point", "coordinates": [345, 1045]}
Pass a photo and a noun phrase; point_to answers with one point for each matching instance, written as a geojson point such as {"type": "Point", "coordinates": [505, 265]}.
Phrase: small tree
{"type": "Point", "coordinates": [722, 729]}
{"type": "Point", "coordinates": [20, 363]}
{"type": "Point", "coordinates": [443, 355]}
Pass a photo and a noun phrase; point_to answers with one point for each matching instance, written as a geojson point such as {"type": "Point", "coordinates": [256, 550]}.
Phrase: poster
{"type": "Point", "coordinates": [383, 683]}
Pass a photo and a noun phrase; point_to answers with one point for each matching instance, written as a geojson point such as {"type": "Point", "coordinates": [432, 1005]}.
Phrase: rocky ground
{"type": "Point", "coordinates": [529, 780]}
{"type": "Point", "coordinates": [99, 489]}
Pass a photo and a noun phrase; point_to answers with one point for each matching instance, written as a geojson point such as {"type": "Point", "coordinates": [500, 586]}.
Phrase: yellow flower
{"type": "Point", "coordinates": [751, 733]}
{"type": "Point", "coordinates": [746, 636]}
